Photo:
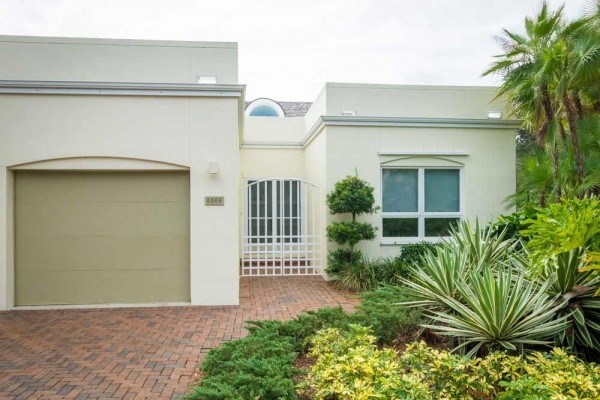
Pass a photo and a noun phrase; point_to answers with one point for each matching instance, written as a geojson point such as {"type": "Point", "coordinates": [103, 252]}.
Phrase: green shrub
{"type": "Point", "coordinates": [257, 366]}
{"type": "Point", "coordinates": [300, 328]}
{"type": "Point", "coordinates": [390, 271]}
{"type": "Point", "coordinates": [338, 260]}
{"type": "Point", "coordinates": [565, 226]}
{"type": "Point", "coordinates": [412, 253]}
{"type": "Point", "coordinates": [555, 375]}
{"type": "Point", "coordinates": [353, 196]}
{"type": "Point", "coordinates": [350, 366]}
{"type": "Point", "coordinates": [359, 276]}
{"type": "Point", "coordinates": [350, 232]}
{"type": "Point", "coordinates": [563, 239]}
{"type": "Point", "coordinates": [513, 225]}
{"type": "Point", "coordinates": [365, 274]}
{"type": "Point", "coordinates": [380, 311]}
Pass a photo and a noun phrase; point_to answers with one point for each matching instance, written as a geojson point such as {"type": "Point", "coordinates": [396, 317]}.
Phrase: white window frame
{"type": "Point", "coordinates": [420, 213]}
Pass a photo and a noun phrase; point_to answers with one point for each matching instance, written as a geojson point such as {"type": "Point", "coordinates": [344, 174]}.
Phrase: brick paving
{"type": "Point", "coordinates": [137, 353]}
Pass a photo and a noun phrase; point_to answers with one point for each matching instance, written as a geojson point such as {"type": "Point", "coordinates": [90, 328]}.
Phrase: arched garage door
{"type": "Point", "coordinates": [101, 237]}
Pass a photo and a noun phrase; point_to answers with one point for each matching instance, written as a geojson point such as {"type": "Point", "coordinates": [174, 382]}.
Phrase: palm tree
{"type": "Point", "coordinates": [527, 83]}
{"type": "Point", "coordinates": [551, 80]}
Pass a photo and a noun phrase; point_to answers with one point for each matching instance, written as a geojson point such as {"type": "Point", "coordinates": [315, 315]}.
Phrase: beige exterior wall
{"type": "Point", "coordinates": [270, 130]}
{"type": "Point", "coordinates": [186, 132]}
{"type": "Point", "coordinates": [412, 101]}
{"type": "Point", "coordinates": [488, 165]}
{"type": "Point", "coordinates": [115, 60]}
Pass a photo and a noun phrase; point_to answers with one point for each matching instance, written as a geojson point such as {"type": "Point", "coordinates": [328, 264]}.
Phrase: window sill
{"type": "Point", "coordinates": [402, 241]}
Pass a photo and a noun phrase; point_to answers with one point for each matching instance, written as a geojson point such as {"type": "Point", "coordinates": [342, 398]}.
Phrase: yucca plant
{"type": "Point", "coordinates": [576, 288]}
{"type": "Point", "coordinates": [499, 310]}
{"type": "Point", "coordinates": [437, 278]}
{"type": "Point", "coordinates": [439, 274]}
{"type": "Point", "coordinates": [480, 245]}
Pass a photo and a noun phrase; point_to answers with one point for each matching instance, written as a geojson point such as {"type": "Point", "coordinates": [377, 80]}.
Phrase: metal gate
{"type": "Point", "coordinates": [282, 232]}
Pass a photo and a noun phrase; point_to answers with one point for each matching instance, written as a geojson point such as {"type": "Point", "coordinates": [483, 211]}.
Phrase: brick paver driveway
{"type": "Point", "coordinates": [136, 352]}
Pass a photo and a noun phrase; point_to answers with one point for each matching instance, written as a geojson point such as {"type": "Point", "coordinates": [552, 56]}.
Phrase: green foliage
{"type": "Point", "coordinates": [350, 232]}
{"type": "Point", "coordinates": [499, 311]}
{"type": "Point", "coordinates": [350, 366]}
{"type": "Point", "coordinates": [352, 195]}
{"type": "Point", "coordinates": [565, 226]}
{"type": "Point", "coordinates": [412, 253]}
{"type": "Point", "coordinates": [389, 271]}
{"type": "Point", "coordinates": [563, 237]}
{"type": "Point", "coordinates": [297, 330]}
{"type": "Point", "coordinates": [555, 375]}
{"type": "Point", "coordinates": [479, 245]}
{"type": "Point", "coordinates": [338, 260]}
{"type": "Point", "coordinates": [258, 366]}
{"type": "Point", "coordinates": [379, 310]}
{"type": "Point", "coordinates": [366, 274]}
{"type": "Point", "coordinates": [513, 225]}
{"type": "Point", "coordinates": [358, 276]}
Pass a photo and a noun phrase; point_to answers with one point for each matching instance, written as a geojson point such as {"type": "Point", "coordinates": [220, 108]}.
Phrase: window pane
{"type": "Point", "coordinates": [439, 226]}
{"type": "Point", "coordinates": [400, 190]}
{"type": "Point", "coordinates": [442, 190]}
{"type": "Point", "coordinates": [400, 227]}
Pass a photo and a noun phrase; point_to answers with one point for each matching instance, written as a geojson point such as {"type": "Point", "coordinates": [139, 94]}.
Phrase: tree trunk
{"type": "Point", "coordinates": [572, 118]}
{"type": "Point", "coordinates": [558, 192]}
{"type": "Point", "coordinates": [543, 132]}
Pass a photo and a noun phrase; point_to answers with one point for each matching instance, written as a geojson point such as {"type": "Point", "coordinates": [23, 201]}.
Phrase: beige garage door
{"type": "Point", "coordinates": [101, 237]}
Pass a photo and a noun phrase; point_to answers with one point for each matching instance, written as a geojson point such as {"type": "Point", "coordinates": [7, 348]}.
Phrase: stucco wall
{"type": "Point", "coordinates": [187, 131]}
{"type": "Point", "coordinates": [274, 129]}
{"type": "Point", "coordinates": [115, 60]}
{"type": "Point", "coordinates": [488, 166]}
{"type": "Point", "coordinates": [412, 100]}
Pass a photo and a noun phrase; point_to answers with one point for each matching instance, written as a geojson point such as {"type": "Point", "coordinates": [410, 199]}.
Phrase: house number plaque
{"type": "Point", "coordinates": [214, 200]}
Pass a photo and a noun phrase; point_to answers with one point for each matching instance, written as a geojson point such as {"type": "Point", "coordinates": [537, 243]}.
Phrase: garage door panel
{"type": "Point", "coordinates": [95, 218]}
{"type": "Point", "coordinates": [101, 187]}
{"type": "Point", "coordinates": [132, 245]}
{"type": "Point", "coordinates": [102, 287]}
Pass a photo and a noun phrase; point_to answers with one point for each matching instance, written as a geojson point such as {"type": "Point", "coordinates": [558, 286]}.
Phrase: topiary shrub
{"type": "Point", "coordinates": [353, 196]}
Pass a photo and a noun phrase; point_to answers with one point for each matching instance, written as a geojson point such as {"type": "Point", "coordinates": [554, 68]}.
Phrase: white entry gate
{"type": "Point", "coordinates": [282, 228]}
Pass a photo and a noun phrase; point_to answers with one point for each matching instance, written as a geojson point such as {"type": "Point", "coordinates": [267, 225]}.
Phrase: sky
{"type": "Point", "coordinates": [289, 49]}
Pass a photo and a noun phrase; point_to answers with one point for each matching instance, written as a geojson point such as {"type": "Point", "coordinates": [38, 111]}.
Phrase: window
{"type": "Point", "coordinates": [264, 111]}
{"type": "Point", "coordinates": [264, 108]}
{"type": "Point", "coordinates": [420, 203]}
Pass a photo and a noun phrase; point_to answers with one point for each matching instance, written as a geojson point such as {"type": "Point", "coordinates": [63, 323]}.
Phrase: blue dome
{"type": "Point", "coordinates": [264, 111]}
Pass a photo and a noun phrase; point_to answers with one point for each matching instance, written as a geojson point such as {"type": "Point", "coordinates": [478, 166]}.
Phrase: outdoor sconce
{"type": "Point", "coordinates": [213, 167]}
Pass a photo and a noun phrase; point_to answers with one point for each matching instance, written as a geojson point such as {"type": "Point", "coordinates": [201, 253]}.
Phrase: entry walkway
{"type": "Point", "coordinates": [137, 353]}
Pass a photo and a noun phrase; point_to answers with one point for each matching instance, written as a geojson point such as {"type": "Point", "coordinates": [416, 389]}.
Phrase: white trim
{"type": "Point", "coordinates": [423, 153]}
{"type": "Point", "coordinates": [121, 89]}
{"type": "Point", "coordinates": [103, 305]}
{"type": "Point", "coordinates": [421, 214]}
{"type": "Point", "coordinates": [94, 163]}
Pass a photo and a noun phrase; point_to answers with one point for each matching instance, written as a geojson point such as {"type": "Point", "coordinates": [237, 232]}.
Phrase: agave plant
{"type": "Point", "coordinates": [439, 275]}
{"type": "Point", "coordinates": [499, 310]}
{"type": "Point", "coordinates": [480, 245]}
{"type": "Point", "coordinates": [575, 285]}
